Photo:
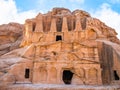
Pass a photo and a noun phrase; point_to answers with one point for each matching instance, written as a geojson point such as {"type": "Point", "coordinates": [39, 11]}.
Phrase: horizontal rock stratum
{"type": "Point", "coordinates": [60, 48]}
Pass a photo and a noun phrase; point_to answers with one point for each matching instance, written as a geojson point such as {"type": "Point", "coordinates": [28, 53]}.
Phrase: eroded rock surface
{"type": "Point", "coordinates": [64, 47]}
{"type": "Point", "coordinates": [10, 37]}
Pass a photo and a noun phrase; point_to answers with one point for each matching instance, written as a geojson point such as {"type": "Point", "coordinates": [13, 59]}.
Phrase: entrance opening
{"type": "Point", "coordinates": [116, 77]}
{"type": "Point", "coordinates": [27, 73]}
{"type": "Point", "coordinates": [33, 29]}
{"type": "Point", "coordinates": [58, 37]}
{"type": "Point", "coordinates": [67, 76]}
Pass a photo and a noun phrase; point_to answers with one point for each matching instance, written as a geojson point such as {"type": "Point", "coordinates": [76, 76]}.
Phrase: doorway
{"type": "Point", "coordinates": [27, 73]}
{"type": "Point", "coordinates": [116, 77]}
{"type": "Point", "coordinates": [67, 76]}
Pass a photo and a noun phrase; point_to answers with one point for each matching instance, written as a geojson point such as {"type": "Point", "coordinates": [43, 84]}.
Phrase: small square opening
{"type": "Point", "coordinates": [58, 37]}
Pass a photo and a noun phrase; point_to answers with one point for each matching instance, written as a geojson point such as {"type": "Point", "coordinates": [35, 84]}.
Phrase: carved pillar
{"type": "Point", "coordinates": [52, 75]}
{"type": "Point", "coordinates": [77, 28]}
{"type": "Point", "coordinates": [59, 76]}
{"type": "Point", "coordinates": [39, 24]}
{"type": "Point", "coordinates": [86, 76]}
{"type": "Point", "coordinates": [35, 77]}
{"type": "Point", "coordinates": [28, 31]}
{"type": "Point", "coordinates": [53, 27]}
{"type": "Point", "coordinates": [64, 25]}
{"type": "Point", "coordinates": [48, 74]}
{"type": "Point", "coordinates": [99, 77]}
{"type": "Point", "coordinates": [28, 26]}
{"type": "Point", "coordinates": [66, 34]}
{"type": "Point", "coordinates": [78, 24]}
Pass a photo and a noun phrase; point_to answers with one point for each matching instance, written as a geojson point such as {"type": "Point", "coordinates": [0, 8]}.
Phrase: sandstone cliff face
{"type": "Point", "coordinates": [10, 37]}
{"type": "Point", "coordinates": [62, 47]}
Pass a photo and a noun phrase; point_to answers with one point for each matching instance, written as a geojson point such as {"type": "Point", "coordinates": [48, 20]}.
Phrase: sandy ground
{"type": "Point", "coordinates": [60, 87]}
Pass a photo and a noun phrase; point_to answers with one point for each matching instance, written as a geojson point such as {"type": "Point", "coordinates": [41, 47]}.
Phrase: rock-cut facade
{"type": "Point", "coordinates": [64, 47]}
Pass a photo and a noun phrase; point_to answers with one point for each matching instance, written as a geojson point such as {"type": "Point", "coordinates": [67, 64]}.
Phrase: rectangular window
{"type": "Point", "coordinates": [27, 73]}
{"type": "Point", "coordinates": [116, 77]}
{"type": "Point", "coordinates": [34, 26]}
{"type": "Point", "coordinates": [58, 37]}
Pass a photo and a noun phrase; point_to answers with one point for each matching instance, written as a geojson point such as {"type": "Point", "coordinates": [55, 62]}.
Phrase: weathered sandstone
{"type": "Point", "coordinates": [10, 37]}
{"type": "Point", "coordinates": [63, 47]}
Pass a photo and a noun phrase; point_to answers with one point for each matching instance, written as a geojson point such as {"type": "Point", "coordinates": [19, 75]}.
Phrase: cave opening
{"type": "Point", "coordinates": [116, 77]}
{"type": "Point", "coordinates": [67, 76]}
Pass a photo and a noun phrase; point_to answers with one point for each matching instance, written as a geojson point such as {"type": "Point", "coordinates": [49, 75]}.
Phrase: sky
{"type": "Point", "coordinates": [108, 11]}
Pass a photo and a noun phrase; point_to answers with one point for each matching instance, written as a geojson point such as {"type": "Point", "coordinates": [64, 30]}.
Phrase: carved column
{"type": "Point", "coordinates": [39, 24]}
{"type": "Point", "coordinates": [66, 34]}
{"type": "Point", "coordinates": [35, 77]}
{"type": "Point", "coordinates": [53, 27]}
{"type": "Point", "coordinates": [77, 28]}
{"type": "Point", "coordinates": [86, 76]}
{"type": "Point", "coordinates": [28, 31]}
{"type": "Point", "coordinates": [78, 24]}
{"type": "Point", "coordinates": [59, 76]}
{"type": "Point", "coordinates": [64, 25]}
{"type": "Point", "coordinates": [28, 26]}
{"type": "Point", "coordinates": [99, 78]}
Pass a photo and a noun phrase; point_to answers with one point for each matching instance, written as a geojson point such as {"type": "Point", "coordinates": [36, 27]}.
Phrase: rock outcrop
{"type": "Point", "coordinates": [10, 37]}
{"type": "Point", "coordinates": [63, 47]}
